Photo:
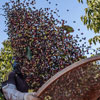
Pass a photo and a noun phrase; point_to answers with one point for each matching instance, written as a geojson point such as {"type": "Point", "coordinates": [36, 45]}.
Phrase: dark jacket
{"type": "Point", "coordinates": [18, 80]}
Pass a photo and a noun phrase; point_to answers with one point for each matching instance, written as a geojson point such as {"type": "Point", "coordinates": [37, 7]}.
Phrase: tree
{"type": "Point", "coordinates": [6, 55]}
{"type": "Point", "coordinates": [42, 44]}
{"type": "Point", "coordinates": [92, 18]}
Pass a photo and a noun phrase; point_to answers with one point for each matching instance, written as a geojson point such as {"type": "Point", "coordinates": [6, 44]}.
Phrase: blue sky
{"type": "Point", "coordinates": [76, 10]}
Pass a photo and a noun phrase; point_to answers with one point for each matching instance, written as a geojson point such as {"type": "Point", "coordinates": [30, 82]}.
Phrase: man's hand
{"type": "Point", "coordinates": [31, 96]}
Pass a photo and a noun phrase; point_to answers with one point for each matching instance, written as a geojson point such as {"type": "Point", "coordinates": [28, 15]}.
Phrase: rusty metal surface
{"type": "Point", "coordinates": [74, 82]}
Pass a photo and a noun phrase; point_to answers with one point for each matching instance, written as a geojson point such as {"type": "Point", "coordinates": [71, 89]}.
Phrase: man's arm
{"type": "Point", "coordinates": [11, 93]}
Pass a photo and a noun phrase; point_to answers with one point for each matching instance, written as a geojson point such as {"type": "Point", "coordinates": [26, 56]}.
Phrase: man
{"type": "Point", "coordinates": [15, 88]}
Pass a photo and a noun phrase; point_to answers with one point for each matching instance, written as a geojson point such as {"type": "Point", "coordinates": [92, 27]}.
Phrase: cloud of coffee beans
{"type": "Point", "coordinates": [41, 43]}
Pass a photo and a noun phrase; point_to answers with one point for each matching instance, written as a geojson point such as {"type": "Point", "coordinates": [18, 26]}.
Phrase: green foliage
{"type": "Point", "coordinates": [6, 54]}
{"type": "Point", "coordinates": [94, 40]}
{"type": "Point", "coordinates": [92, 18]}
{"type": "Point", "coordinates": [1, 96]}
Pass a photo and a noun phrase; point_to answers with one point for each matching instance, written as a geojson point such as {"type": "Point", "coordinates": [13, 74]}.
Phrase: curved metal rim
{"type": "Point", "coordinates": [66, 70]}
